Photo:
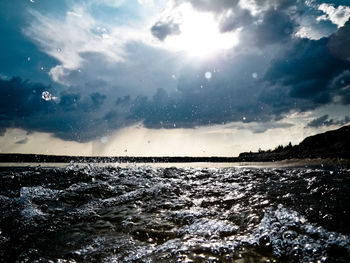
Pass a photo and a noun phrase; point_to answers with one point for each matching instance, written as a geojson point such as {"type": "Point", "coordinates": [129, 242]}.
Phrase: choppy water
{"type": "Point", "coordinates": [144, 214]}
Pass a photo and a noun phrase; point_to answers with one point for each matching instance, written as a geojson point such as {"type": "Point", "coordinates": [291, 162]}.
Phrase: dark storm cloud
{"type": "Point", "coordinates": [318, 121]}
{"type": "Point", "coordinates": [341, 85]}
{"type": "Point", "coordinates": [21, 98]}
{"type": "Point", "coordinates": [304, 77]}
{"type": "Point", "coordinates": [235, 20]}
{"type": "Point", "coordinates": [309, 71]}
{"type": "Point", "coordinates": [335, 2]}
{"type": "Point", "coordinates": [271, 19]}
{"type": "Point", "coordinates": [19, 56]}
{"type": "Point", "coordinates": [163, 29]}
{"type": "Point", "coordinates": [325, 121]}
{"type": "Point", "coordinates": [200, 102]}
{"type": "Point", "coordinates": [97, 99]}
{"type": "Point", "coordinates": [339, 42]}
{"type": "Point", "coordinates": [144, 70]}
{"type": "Point", "coordinates": [70, 116]}
{"type": "Point", "coordinates": [271, 73]}
{"type": "Point", "coordinates": [276, 27]}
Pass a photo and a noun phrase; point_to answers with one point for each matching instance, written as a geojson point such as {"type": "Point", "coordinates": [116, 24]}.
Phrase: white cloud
{"type": "Point", "coordinates": [312, 25]}
{"type": "Point", "coordinates": [251, 6]}
{"type": "Point", "coordinates": [198, 33]}
{"type": "Point", "coordinates": [77, 34]}
{"type": "Point", "coordinates": [338, 15]}
{"type": "Point", "coordinates": [90, 50]}
{"type": "Point", "coordinates": [112, 3]}
{"type": "Point", "coordinates": [145, 2]}
{"type": "Point", "coordinates": [309, 32]}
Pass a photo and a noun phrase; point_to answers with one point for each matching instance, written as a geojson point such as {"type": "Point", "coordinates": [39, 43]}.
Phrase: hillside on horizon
{"type": "Point", "coordinates": [330, 144]}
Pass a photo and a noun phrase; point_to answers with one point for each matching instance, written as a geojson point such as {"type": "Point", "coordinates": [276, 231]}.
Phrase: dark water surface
{"type": "Point", "coordinates": [145, 214]}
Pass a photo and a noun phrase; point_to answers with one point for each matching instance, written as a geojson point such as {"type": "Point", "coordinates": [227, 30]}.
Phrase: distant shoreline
{"type": "Point", "coordinates": [331, 145]}
{"type": "Point", "coordinates": [226, 161]}
{"type": "Point", "coordinates": [41, 158]}
{"type": "Point", "coordinates": [312, 163]}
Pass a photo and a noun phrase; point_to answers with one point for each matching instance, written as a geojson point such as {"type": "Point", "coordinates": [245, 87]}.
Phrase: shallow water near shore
{"type": "Point", "coordinates": [138, 213]}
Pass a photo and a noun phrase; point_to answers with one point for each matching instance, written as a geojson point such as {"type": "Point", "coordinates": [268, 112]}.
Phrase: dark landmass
{"type": "Point", "coordinates": [331, 144]}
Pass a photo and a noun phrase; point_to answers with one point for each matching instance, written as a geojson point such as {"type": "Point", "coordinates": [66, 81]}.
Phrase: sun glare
{"type": "Point", "coordinates": [200, 35]}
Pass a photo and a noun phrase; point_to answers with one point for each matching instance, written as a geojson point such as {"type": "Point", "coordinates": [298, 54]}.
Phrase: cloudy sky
{"type": "Point", "coordinates": [171, 77]}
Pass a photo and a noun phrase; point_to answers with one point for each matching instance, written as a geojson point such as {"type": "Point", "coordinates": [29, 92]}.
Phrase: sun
{"type": "Point", "coordinates": [199, 34]}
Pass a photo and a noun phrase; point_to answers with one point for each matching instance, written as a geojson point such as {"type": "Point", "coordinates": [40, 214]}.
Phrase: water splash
{"type": "Point", "coordinates": [89, 213]}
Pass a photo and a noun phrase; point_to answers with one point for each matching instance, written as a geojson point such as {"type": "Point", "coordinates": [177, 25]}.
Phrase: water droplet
{"type": "Point", "coordinates": [28, 59]}
{"type": "Point", "coordinates": [265, 240]}
{"type": "Point", "coordinates": [255, 75]}
{"type": "Point", "coordinates": [32, 1]}
{"type": "Point", "coordinates": [46, 96]}
{"type": "Point", "coordinates": [174, 125]}
{"type": "Point", "coordinates": [289, 235]}
{"type": "Point", "coordinates": [59, 50]}
{"type": "Point", "coordinates": [244, 118]}
{"type": "Point", "coordinates": [208, 75]}
{"type": "Point", "coordinates": [201, 86]}
{"type": "Point", "coordinates": [41, 68]}
{"type": "Point", "coordinates": [173, 76]}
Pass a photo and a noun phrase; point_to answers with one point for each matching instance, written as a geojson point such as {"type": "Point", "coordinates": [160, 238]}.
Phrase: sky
{"type": "Point", "coordinates": [171, 77]}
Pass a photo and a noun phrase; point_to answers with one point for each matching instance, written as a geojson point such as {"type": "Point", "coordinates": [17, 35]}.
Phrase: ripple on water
{"type": "Point", "coordinates": [144, 214]}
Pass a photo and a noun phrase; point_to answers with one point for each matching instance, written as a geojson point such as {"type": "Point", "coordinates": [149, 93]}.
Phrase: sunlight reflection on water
{"type": "Point", "coordinates": [139, 213]}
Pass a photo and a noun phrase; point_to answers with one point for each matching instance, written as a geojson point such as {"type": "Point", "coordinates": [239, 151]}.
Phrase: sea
{"type": "Point", "coordinates": [174, 213]}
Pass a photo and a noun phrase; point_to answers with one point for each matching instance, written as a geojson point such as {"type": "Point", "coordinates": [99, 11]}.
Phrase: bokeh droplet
{"type": "Point", "coordinates": [46, 96]}
{"type": "Point", "coordinates": [208, 75]}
